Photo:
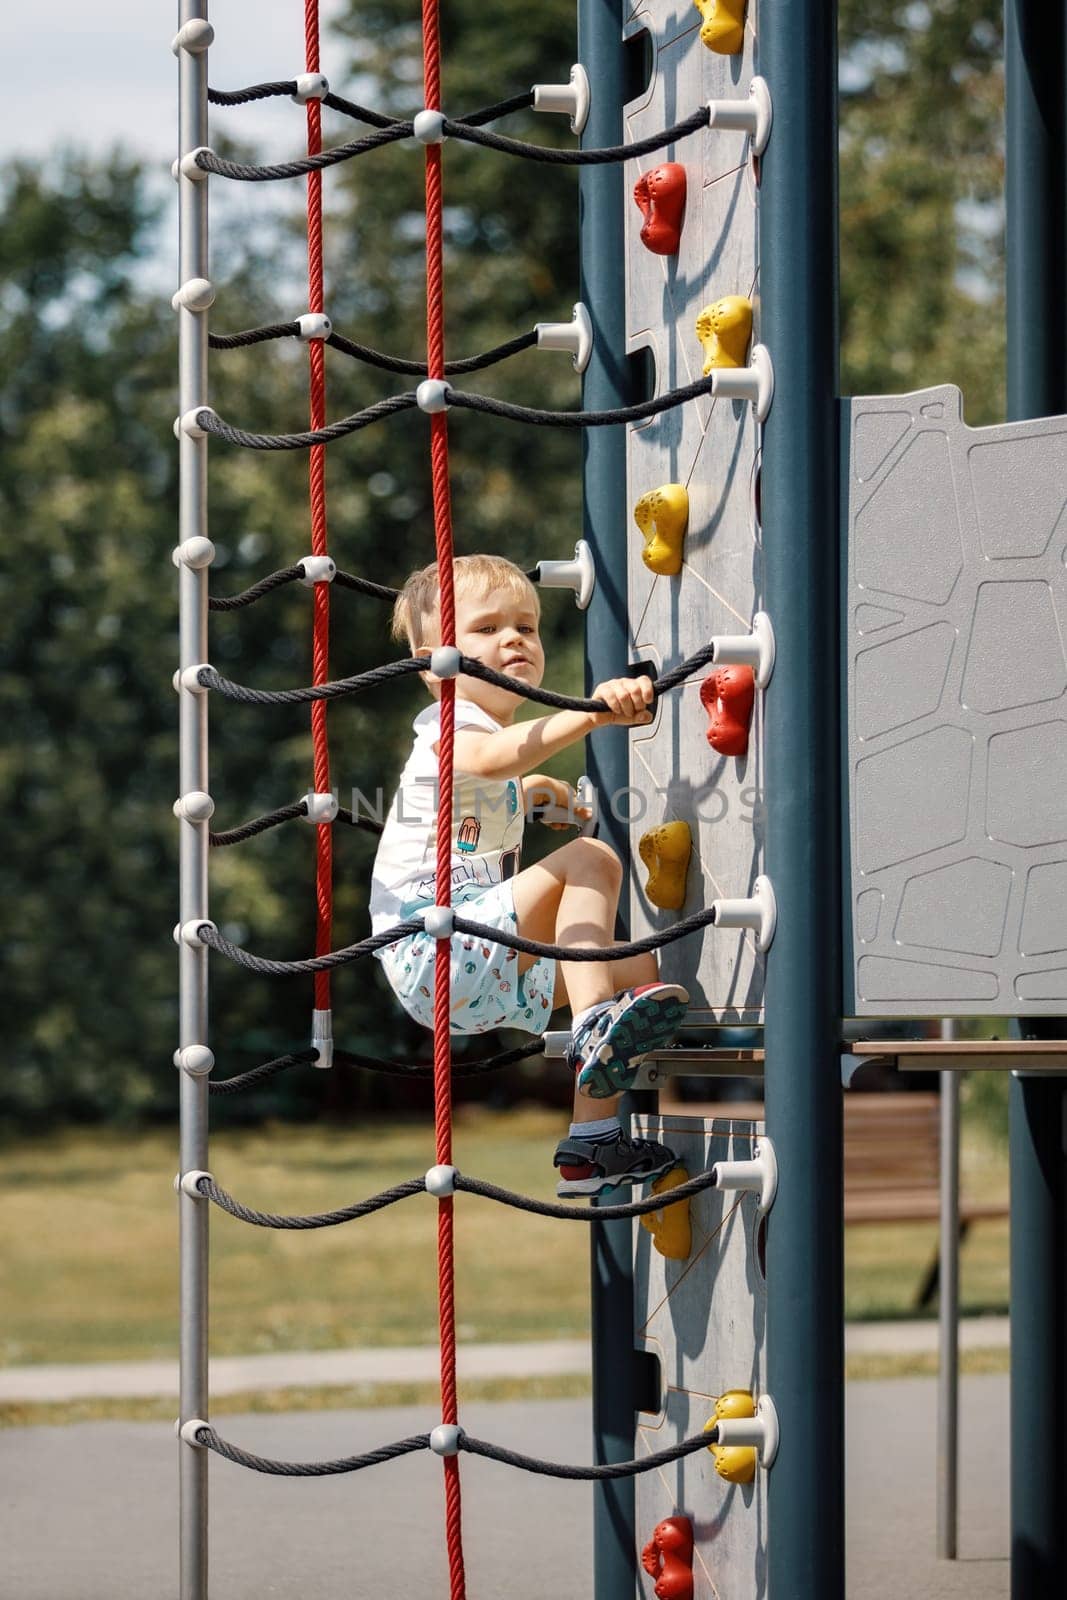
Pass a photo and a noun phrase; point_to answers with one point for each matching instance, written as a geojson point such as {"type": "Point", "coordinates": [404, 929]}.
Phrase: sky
{"type": "Point", "coordinates": [95, 75]}
{"type": "Point", "coordinates": [112, 82]}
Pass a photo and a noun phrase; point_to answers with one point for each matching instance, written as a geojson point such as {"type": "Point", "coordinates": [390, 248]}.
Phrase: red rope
{"type": "Point", "coordinates": [442, 1043]}
{"type": "Point", "coordinates": [320, 647]}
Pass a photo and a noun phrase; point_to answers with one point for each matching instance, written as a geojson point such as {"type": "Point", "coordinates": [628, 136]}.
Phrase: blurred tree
{"type": "Point", "coordinates": [922, 174]}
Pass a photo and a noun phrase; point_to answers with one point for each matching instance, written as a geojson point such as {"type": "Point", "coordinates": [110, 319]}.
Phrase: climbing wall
{"type": "Point", "coordinates": [956, 739]}
{"type": "Point", "coordinates": [711, 448]}
{"type": "Point", "coordinates": [703, 1318]}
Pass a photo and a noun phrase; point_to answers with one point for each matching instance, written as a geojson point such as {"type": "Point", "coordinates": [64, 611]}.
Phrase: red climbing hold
{"type": "Point", "coordinates": [660, 195]}
{"type": "Point", "coordinates": [668, 1557]}
{"type": "Point", "coordinates": [727, 696]}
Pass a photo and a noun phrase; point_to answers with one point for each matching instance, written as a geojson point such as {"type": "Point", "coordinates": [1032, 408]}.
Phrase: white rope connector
{"type": "Point", "coordinates": [754, 383]}
{"type": "Point", "coordinates": [445, 661]}
{"type": "Point", "coordinates": [187, 678]}
{"type": "Point", "coordinates": [760, 1433]}
{"type": "Point", "coordinates": [195, 1059]}
{"type": "Point", "coordinates": [310, 86]}
{"type": "Point", "coordinates": [314, 325]}
{"type": "Point", "coordinates": [432, 395]}
{"type": "Point", "coordinates": [322, 1038]}
{"type": "Point", "coordinates": [187, 167]}
{"type": "Point", "coordinates": [196, 553]}
{"type": "Point", "coordinates": [188, 1181]}
{"type": "Point", "coordinates": [317, 569]}
{"type": "Point", "coordinates": [759, 912]}
{"type": "Point", "coordinates": [195, 294]}
{"type": "Point", "coordinates": [570, 99]}
{"type": "Point", "coordinates": [444, 1439]}
{"type": "Point", "coordinates": [188, 933]}
{"type": "Point", "coordinates": [429, 127]}
{"type": "Point", "coordinates": [195, 36]}
{"type": "Point", "coordinates": [578, 574]}
{"type": "Point", "coordinates": [576, 336]}
{"type": "Point", "coordinates": [752, 116]}
{"type": "Point", "coordinates": [187, 424]}
{"type": "Point", "coordinates": [439, 921]}
{"type": "Point", "coordinates": [195, 806]}
{"type": "Point", "coordinates": [321, 807]}
{"type": "Point", "coordinates": [187, 1432]}
{"type": "Point", "coordinates": [758, 1175]}
{"type": "Point", "coordinates": [441, 1182]}
{"type": "Point", "coordinates": [755, 649]}
{"type": "Point", "coordinates": [555, 1045]}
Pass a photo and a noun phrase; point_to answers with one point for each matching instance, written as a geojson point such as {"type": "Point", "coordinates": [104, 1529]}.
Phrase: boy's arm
{"type": "Point", "coordinates": [513, 752]}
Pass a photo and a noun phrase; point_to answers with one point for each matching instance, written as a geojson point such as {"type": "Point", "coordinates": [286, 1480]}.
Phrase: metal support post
{"type": "Point", "coordinates": [1038, 1139]}
{"type": "Point", "coordinates": [194, 845]}
{"type": "Point", "coordinates": [948, 1314]}
{"type": "Point", "coordinates": [800, 497]}
{"type": "Point", "coordinates": [608, 383]}
{"type": "Point", "coordinates": [1035, 60]}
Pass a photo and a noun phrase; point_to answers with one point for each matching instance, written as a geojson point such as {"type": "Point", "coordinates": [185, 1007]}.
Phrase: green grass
{"type": "Point", "coordinates": [327, 1397]}
{"type": "Point", "coordinates": [368, 1396]}
{"type": "Point", "coordinates": [88, 1263]}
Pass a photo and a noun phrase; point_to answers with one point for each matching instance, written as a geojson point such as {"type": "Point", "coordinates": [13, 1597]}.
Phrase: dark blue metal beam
{"type": "Point", "coordinates": [799, 325]}
{"type": "Point", "coordinates": [608, 383]}
{"type": "Point", "coordinates": [1035, 59]}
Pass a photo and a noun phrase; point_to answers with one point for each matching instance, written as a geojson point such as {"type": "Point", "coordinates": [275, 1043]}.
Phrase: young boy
{"type": "Point", "coordinates": [620, 1011]}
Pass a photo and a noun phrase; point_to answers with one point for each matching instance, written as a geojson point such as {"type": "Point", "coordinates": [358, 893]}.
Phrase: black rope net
{"type": "Point", "coordinates": [603, 1472]}
{"type": "Point", "coordinates": [387, 130]}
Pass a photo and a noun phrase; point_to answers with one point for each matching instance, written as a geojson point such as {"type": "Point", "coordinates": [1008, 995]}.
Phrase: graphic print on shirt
{"type": "Point", "coordinates": [486, 826]}
{"type": "Point", "coordinates": [468, 834]}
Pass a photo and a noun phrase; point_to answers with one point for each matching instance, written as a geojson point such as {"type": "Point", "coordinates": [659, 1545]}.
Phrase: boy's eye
{"type": "Point", "coordinates": [525, 628]}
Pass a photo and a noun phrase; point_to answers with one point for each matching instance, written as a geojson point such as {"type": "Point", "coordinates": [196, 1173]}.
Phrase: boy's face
{"type": "Point", "coordinates": [501, 629]}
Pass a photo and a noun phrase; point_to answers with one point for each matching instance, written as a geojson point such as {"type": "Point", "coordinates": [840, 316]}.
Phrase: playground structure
{"type": "Point", "coordinates": [877, 738]}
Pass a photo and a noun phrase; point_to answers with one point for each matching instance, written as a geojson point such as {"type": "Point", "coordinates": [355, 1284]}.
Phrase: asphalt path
{"type": "Point", "coordinates": [88, 1512]}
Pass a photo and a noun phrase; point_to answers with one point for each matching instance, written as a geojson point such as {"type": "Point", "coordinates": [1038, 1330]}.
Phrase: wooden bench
{"type": "Point", "coordinates": [892, 1162]}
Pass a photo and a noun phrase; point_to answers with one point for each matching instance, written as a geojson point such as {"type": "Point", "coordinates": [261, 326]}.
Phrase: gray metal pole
{"type": "Point", "coordinates": [948, 1315]}
{"type": "Point", "coordinates": [608, 383]}
{"type": "Point", "coordinates": [799, 325]}
{"type": "Point", "coordinates": [191, 49]}
{"type": "Point", "coordinates": [1035, 65]}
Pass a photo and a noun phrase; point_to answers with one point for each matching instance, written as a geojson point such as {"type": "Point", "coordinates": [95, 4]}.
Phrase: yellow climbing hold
{"type": "Point", "coordinates": [670, 1229]}
{"type": "Point", "coordinates": [724, 25]}
{"type": "Point", "coordinates": [735, 1462]}
{"type": "Point", "coordinates": [662, 516]}
{"type": "Point", "coordinates": [724, 330]}
{"type": "Point", "coordinates": [665, 852]}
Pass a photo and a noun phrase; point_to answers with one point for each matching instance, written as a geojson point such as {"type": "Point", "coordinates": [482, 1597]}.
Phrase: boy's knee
{"type": "Point", "coordinates": [600, 859]}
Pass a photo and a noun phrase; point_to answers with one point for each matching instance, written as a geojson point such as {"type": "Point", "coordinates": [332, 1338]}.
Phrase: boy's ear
{"type": "Point", "coordinates": [423, 652]}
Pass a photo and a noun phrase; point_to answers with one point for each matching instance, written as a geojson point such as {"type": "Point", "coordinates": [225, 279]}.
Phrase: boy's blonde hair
{"type": "Point", "coordinates": [418, 601]}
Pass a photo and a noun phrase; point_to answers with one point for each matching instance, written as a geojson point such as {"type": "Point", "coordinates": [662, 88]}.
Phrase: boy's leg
{"type": "Point", "coordinates": [571, 898]}
{"type": "Point", "coordinates": [632, 973]}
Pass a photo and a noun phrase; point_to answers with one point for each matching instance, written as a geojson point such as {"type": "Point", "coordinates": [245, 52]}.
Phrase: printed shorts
{"type": "Point", "coordinates": [487, 989]}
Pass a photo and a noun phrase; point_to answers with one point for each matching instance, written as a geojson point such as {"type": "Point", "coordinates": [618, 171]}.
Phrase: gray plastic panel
{"type": "Point", "coordinates": [956, 740]}
{"type": "Point", "coordinates": [711, 447]}
{"type": "Point", "coordinates": [704, 1318]}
